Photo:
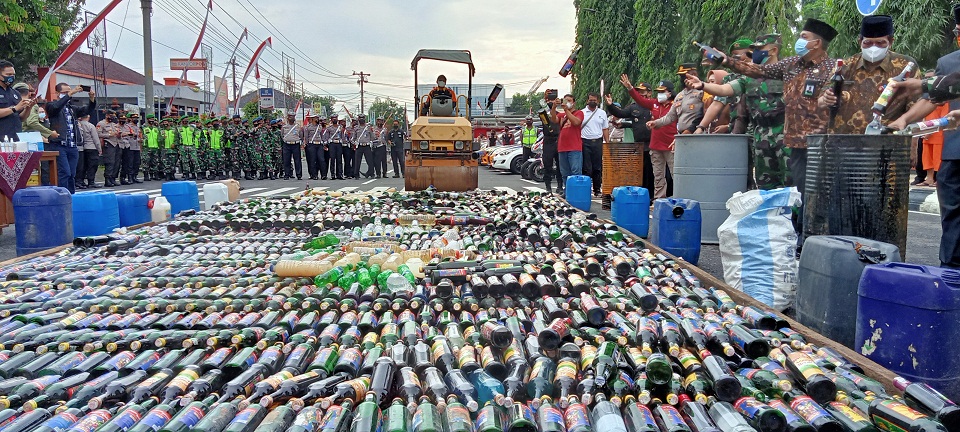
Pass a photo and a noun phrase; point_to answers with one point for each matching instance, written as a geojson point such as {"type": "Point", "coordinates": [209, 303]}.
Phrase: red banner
{"type": "Point", "coordinates": [73, 47]}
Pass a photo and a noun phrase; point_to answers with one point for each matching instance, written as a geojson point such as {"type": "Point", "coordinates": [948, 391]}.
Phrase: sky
{"type": "Point", "coordinates": [513, 42]}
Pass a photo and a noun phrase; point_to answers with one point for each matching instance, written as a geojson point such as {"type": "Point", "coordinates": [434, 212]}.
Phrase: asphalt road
{"type": "Point", "coordinates": [922, 244]}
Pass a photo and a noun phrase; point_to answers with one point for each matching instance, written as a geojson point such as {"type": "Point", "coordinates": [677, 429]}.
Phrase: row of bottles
{"type": "Point", "coordinates": [416, 314]}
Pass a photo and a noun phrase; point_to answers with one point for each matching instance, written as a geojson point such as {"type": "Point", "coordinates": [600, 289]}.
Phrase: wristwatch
{"type": "Point", "coordinates": [13, 109]}
{"type": "Point", "coordinates": [700, 127]}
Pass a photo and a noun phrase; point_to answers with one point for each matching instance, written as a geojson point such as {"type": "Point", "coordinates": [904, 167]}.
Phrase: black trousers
{"type": "Point", "coordinates": [81, 175]}
{"type": "Point", "coordinates": [551, 163]}
{"type": "Point", "coordinates": [648, 178]}
{"type": "Point", "coordinates": [948, 192]}
{"type": "Point", "coordinates": [336, 160]}
{"type": "Point", "coordinates": [798, 177]}
{"type": "Point", "coordinates": [380, 160]}
{"type": "Point", "coordinates": [125, 164]}
{"type": "Point", "coordinates": [365, 152]}
{"type": "Point", "coordinates": [314, 159]}
{"type": "Point", "coordinates": [112, 157]}
{"type": "Point", "coordinates": [291, 153]}
{"type": "Point", "coordinates": [131, 163]}
{"type": "Point", "coordinates": [527, 153]}
{"type": "Point", "coordinates": [348, 155]}
{"type": "Point", "coordinates": [324, 161]}
{"type": "Point", "coordinates": [396, 153]}
{"type": "Point", "coordinates": [91, 161]}
{"type": "Point", "coordinates": [921, 173]}
{"type": "Point", "coordinates": [593, 161]}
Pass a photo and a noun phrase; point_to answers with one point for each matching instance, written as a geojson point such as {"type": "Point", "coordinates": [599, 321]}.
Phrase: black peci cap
{"type": "Point", "coordinates": [875, 26]}
{"type": "Point", "coordinates": [820, 28]}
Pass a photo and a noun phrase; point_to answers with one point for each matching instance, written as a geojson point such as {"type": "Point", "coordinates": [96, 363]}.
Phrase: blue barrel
{"type": "Point", "coordinates": [44, 218]}
{"type": "Point", "coordinates": [95, 213]}
{"type": "Point", "coordinates": [908, 321]}
{"type": "Point", "coordinates": [630, 209]}
{"type": "Point", "coordinates": [579, 189]}
{"type": "Point", "coordinates": [183, 195]}
{"type": "Point", "coordinates": [676, 227]}
{"type": "Point", "coordinates": [134, 208]}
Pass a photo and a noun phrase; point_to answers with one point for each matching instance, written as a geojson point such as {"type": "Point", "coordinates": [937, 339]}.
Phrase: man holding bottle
{"type": "Point", "coordinates": [865, 76]}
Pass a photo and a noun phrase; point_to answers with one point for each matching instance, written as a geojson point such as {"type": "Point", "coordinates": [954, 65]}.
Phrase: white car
{"type": "Point", "coordinates": [509, 159]}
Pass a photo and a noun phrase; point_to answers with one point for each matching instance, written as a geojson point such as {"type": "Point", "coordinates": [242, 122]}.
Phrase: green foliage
{"type": "Point", "coordinates": [386, 108]}
{"type": "Point", "coordinates": [922, 28]}
{"type": "Point", "coordinates": [252, 110]}
{"type": "Point", "coordinates": [656, 41]}
{"type": "Point", "coordinates": [603, 31]}
{"type": "Point", "coordinates": [522, 103]}
{"type": "Point", "coordinates": [34, 32]}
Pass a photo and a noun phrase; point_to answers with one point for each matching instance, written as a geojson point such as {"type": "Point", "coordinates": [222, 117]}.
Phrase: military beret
{"type": "Point", "coordinates": [236, 116]}
{"type": "Point", "coordinates": [150, 116]}
{"type": "Point", "coordinates": [767, 39]}
{"type": "Point", "coordinates": [741, 43]}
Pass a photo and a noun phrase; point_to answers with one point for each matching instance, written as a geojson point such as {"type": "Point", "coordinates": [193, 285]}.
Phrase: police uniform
{"type": "Point", "coordinates": [395, 141]}
{"type": "Point", "coordinates": [131, 142]}
{"type": "Point", "coordinates": [364, 137]}
{"type": "Point", "coordinates": [110, 134]}
{"type": "Point", "coordinates": [380, 150]}
{"type": "Point", "coordinates": [293, 137]}
{"type": "Point", "coordinates": [349, 149]}
{"type": "Point", "coordinates": [529, 138]}
{"type": "Point", "coordinates": [313, 145]}
{"type": "Point", "coordinates": [334, 136]}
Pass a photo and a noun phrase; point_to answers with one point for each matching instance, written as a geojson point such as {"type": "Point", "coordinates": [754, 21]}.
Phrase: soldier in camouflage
{"type": "Point", "coordinates": [168, 144]}
{"type": "Point", "coordinates": [152, 159]}
{"type": "Point", "coordinates": [189, 165]}
{"type": "Point", "coordinates": [276, 149]}
{"type": "Point", "coordinates": [765, 107]}
{"type": "Point", "coordinates": [215, 141]}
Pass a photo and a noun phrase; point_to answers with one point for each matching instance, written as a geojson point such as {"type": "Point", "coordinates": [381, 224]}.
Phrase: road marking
{"type": "Point", "coordinates": [320, 188]}
{"type": "Point", "coordinates": [347, 189]}
{"type": "Point", "coordinates": [251, 190]}
{"type": "Point", "coordinates": [506, 189]}
{"type": "Point", "coordinates": [534, 189]}
{"type": "Point", "coordinates": [275, 192]}
{"type": "Point", "coordinates": [369, 181]}
{"type": "Point", "coordinates": [529, 181]}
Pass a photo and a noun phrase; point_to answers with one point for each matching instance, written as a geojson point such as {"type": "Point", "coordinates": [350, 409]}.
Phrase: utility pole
{"type": "Point", "coordinates": [361, 81]}
{"type": "Point", "coordinates": [147, 7]}
{"type": "Point", "coordinates": [233, 64]}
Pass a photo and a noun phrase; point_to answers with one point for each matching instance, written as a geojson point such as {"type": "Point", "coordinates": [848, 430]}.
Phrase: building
{"type": "Point", "coordinates": [480, 94]}
{"type": "Point", "coordinates": [124, 86]}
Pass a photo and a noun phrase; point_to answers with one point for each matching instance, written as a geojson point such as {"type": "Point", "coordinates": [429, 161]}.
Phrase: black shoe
{"type": "Point", "coordinates": [396, 176]}
{"type": "Point", "coordinates": [299, 178]}
{"type": "Point", "coordinates": [81, 186]}
{"type": "Point", "coordinates": [135, 180]}
{"type": "Point", "coordinates": [316, 178]}
{"type": "Point", "coordinates": [125, 182]}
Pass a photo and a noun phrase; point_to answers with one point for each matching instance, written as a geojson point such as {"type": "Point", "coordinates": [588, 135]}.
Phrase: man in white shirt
{"type": "Point", "coordinates": [595, 130]}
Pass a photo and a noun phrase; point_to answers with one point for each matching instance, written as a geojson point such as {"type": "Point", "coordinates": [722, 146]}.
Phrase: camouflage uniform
{"type": "Point", "coordinates": [764, 99]}
{"type": "Point", "coordinates": [168, 141]}
{"type": "Point", "coordinates": [250, 157]}
{"type": "Point", "coordinates": [203, 150]}
{"type": "Point", "coordinates": [188, 151]}
{"type": "Point", "coordinates": [276, 150]}
{"type": "Point", "coordinates": [215, 160]}
{"type": "Point", "coordinates": [152, 161]}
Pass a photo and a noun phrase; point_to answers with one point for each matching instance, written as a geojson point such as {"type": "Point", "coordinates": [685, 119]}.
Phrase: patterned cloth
{"type": "Point", "coordinates": [862, 85]}
{"type": "Point", "coordinates": [764, 103]}
{"type": "Point", "coordinates": [16, 170]}
{"type": "Point", "coordinates": [802, 83]}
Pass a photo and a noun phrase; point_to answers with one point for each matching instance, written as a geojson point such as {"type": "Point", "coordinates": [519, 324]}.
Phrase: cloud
{"type": "Point", "coordinates": [511, 41]}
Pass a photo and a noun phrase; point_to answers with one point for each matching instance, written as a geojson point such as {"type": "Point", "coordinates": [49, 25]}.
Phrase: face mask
{"type": "Point", "coordinates": [662, 97]}
{"type": "Point", "coordinates": [63, 95]}
{"type": "Point", "coordinates": [874, 54]}
{"type": "Point", "coordinates": [592, 105]}
{"type": "Point", "coordinates": [760, 56]}
{"type": "Point", "coordinates": [801, 47]}
{"type": "Point", "coordinates": [570, 105]}
{"type": "Point", "coordinates": [441, 84]}
{"type": "Point", "coordinates": [9, 79]}
{"type": "Point", "coordinates": [42, 115]}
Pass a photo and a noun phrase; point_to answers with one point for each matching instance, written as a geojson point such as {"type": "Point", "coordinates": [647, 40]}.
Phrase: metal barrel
{"type": "Point", "coordinates": [858, 185]}
{"type": "Point", "coordinates": [710, 169]}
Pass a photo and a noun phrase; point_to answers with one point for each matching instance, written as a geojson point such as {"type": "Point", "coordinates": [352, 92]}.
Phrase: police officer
{"type": "Point", "coordinates": [334, 136]}
{"type": "Point", "coordinates": [293, 141]}
{"type": "Point", "coordinates": [380, 149]}
{"type": "Point", "coordinates": [395, 142]}
{"type": "Point", "coordinates": [529, 138]}
{"type": "Point", "coordinates": [131, 141]}
{"type": "Point", "coordinates": [349, 147]}
{"type": "Point", "coordinates": [109, 130]}
{"type": "Point", "coordinates": [364, 137]}
{"type": "Point", "coordinates": [312, 135]}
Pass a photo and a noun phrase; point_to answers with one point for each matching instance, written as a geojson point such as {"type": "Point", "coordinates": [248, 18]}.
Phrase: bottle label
{"type": "Point", "coordinates": [351, 332]}
{"type": "Point", "coordinates": [332, 418]}
{"type": "Point", "coordinates": [566, 370]}
{"type": "Point", "coordinates": [808, 409]}
{"type": "Point", "coordinates": [76, 360]}
{"type": "Point", "coordinates": [807, 367]}
{"type": "Point", "coordinates": [92, 421]}
{"type": "Point", "coordinates": [408, 376]}
{"type": "Point", "coordinates": [848, 412]}
{"type": "Point", "coordinates": [351, 356]}
{"type": "Point", "coordinates": [42, 382]}
{"type": "Point", "coordinates": [575, 416]}
{"type": "Point", "coordinates": [902, 409]}
{"type": "Point", "coordinates": [687, 359]}
{"type": "Point", "coordinates": [537, 368]}
{"type": "Point", "coordinates": [191, 416]}
{"type": "Point", "coordinates": [645, 414]}
{"type": "Point", "coordinates": [183, 380]}
{"type": "Point", "coordinates": [511, 352]}
{"type": "Point", "coordinates": [156, 418]}
{"type": "Point", "coordinates": [887, 425]}
{"type": "Point", "coordinates": [297, 354]}
{"type": "Point", "coordinates": [783, 408]}
{"type": "Point", "coordinates": [748, 407]}
{"type": "Point", "coordinates": [62, 422]}
{"type": "Point", "coordinates": [587, 354]}
{"type": "Point", "coordinates": [244, 417]}
{"type": "Point", "coordinates": [690, 379]}
{"type": "Point", "coordinates": [157, 377]}
{"type": "Point", "coordinates": [551, 415]}
{"type": "Point", "coordinates": [481, 419]}
{"type": "Point", "coordinates": [458, 415]}
{"type": "Point", "coordinates": [127, 419]}
{"type": "Point", "coordinates": [219, 356]}
{"type": "Point", "coordinates": [671, 415]}
{"type": "Point", "coordinates": [360, 386]}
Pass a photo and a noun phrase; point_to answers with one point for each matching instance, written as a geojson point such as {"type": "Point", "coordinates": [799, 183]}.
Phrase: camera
{"type": "Point", "coordinates": [551, 94]}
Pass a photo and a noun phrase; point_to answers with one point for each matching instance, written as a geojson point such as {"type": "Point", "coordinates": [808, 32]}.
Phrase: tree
{"type": "Point", "coordinates": [607, 46]}
{"type": "Point", "coordinates": [34, 32]}
{"type": "Point", "coordinates": [386, 108]}
{"type": "Point", "coordinates": [523, 103]}
{"type": "Point", "coordinates": [252, 110]}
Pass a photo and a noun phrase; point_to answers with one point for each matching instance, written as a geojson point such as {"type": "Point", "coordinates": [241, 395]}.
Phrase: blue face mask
{"type": "Point", "coordinates": [801, 47]}
{"type": "Point", "coordinates": [760, 56]}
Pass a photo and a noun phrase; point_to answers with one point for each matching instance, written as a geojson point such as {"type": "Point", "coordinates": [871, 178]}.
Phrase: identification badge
{"type": "Point", "coordinates": [810, 87]}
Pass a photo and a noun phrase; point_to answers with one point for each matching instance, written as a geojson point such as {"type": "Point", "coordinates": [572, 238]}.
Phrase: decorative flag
{"type": "Point", "coordinates": [73, 47]}
{"type": "Point", "coordinates": [250, 67]}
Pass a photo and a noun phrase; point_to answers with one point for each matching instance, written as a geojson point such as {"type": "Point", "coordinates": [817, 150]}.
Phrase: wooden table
{"type": "Point", "coordinates": [6, 205]}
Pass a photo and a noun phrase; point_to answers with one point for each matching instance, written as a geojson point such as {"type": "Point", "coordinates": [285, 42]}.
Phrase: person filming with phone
{"type": "Point", "coordinates": [65, 120]}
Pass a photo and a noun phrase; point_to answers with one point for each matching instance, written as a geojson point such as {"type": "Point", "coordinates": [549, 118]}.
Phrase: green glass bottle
{"type": "Point", "coordinates": [397, 417]}
{"type": "Point", "coordinates": [490, 419]}
{"type": "Point", "coordinates": [457, 416]}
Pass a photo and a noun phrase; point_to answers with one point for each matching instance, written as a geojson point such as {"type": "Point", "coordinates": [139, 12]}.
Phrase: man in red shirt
{"type": "Point", "coordinates": [661, 138]}
{"type": "Point", "coordinates": [570, 145]}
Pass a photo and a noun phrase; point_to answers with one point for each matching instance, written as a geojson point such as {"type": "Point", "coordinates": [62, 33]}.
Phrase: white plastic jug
{"type": "Point", "coordinates": [161, 209]}
{"type": "Point", "coordinates": [214, 193]}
